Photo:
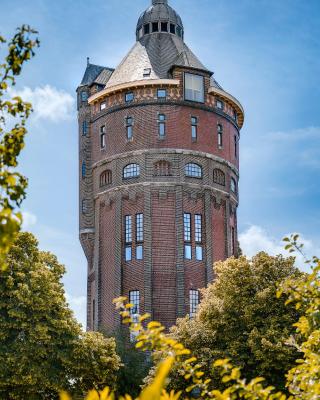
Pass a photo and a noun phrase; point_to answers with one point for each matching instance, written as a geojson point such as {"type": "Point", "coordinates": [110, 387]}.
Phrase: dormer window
{"type": "Point", "coordinates": [164, 26]}
{"type": "Point", "coordinates": [172, 28]}
{"type": "Point", "coordinates": [161, 93]}
{"type": "Point", "coordinates": [146, 29]}
{"type": "Point", "coordinates": [194, 87]}
{"type": "Point", "coordinates": [155, 27]}
{"type": "Point", "coordinates": [146, 72]}
{"type": "Point", "coordinates": [129, 97]}
{"type": "Point", "coordinates": [219, 104]}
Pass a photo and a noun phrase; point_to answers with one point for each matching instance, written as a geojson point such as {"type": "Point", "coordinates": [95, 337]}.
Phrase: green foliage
{"type": "Point", "coordinates": [12, 184]}
{"type": "Point", "coordinates": [42, 347]}
{"type": "Point", "coordinates": [241, 318]}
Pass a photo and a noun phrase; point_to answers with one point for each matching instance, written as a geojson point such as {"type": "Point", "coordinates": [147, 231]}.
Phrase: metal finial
{"type": "Point", "coordinates": [88, 60]}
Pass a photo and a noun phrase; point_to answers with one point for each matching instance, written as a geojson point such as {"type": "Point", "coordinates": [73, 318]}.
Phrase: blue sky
{"type": "Point", "coordinates": [265, 52]}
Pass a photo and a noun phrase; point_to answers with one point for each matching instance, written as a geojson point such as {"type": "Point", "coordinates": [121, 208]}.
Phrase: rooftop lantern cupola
{"type": "Point", "coordinates": [159, 18]}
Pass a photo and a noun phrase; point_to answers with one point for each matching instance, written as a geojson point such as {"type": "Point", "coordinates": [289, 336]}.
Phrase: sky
{"type": "Point", "coordinates": [265, 52]}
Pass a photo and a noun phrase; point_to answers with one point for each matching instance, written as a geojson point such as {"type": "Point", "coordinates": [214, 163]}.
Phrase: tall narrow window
{"type": "Point", "coordinates": [106, 178]}
{"type": "Point", "coordinates": [129, 128]}
{"type": "Point", "coordinates": [219, 177]}
{"type": "Point", "coordinates": [164, 26]}
{"type": "Point", "coordinates": [84, 96]}
{"type": "Point", "coordinates": [233, 241]}
{"type": "Point", "coordinates": [194, 302]}
{"type": "Point", "coordinates": [233, 185]}
{"type": "Point", "coordinates": [128, 237]}
{"type": "Point", "coordinates": [162, 125]}
{"type": "Point", "coordinates": [93, 313]}
{"type": "Point", "coordinates": [134, 299]}
{"type": "Point", "coordinates": [146, 29]}
{"type": "Point", "coordinates": [103, 137]}
{"type": "Point", "coordinates": [85, 128]}
{"type": "Point", "coordinates": [172, 28]}
{"type": "Point", "coordinates": [83, 170]}
{"type": "Point", "coordinates": [220, 136]}
{"type": "Point", "coordinates": [85, 206]}
{"type": "Point", "coordinates": [194, 87]}
{"type": "Point", "coordinates": [194, 128]}
{"type": "Point", "coordinates": [155, 27]}
{"type": "Point", "coordinates": [198, 236]}
{"type": "Point", "coordinates": [187, 236]}
{"type": "Point", "coordinates": [235, 146]}
{"type": "Point", "coordinates": [139, 236]}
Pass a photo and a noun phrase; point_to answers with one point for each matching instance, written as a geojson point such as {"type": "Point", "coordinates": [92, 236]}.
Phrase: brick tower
{"type": "Point", "coordinates": [159, 169]}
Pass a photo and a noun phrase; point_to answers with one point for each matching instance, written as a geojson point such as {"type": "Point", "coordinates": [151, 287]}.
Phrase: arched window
{"type": "Point", "coordinates": [162, 168]}
{"type": "Point", "coordinates": [193, 170]}
{"type": "Point", "coordinates": [106, 178]}
{"type": "Point", "coordinates": [219, 177]}
{"type": "Point", "coordinates": [233, 185]}
{"type": "Point", "coordinates": [131, 171]}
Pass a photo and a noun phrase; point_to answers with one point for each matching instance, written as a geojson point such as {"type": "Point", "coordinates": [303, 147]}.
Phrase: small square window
{"type": "Point", "coordinates": [162, 117]}
{"type": "Point", "coordinates": [194, 120]}
{"type": "Point", "coordinates": [172, 28]}
{"type": "Point", "coordinates": [164, 26]}
{"type": "Point", "coordinates": [103, 106]}
{"type": "Point", "coordinates": [129, 97]}
{"type": "Point", "coordinates": [220, 104]}
{"type": "Point", "coordinates": [139, 252]}
{"type": "Point", "coordinates": [128, 253]}
{"type": "Point", "coordinates": [187, 252]}
{"type": "Point", "coordinates": [199, 253]}
{"type": "Point", "coordinates": [146, 29]}
{"type": "Point", "coordinates": [155, 27]}
{"type": "Point", "coordinates": [162, 93]}
{"type": "Point", "coordinates": [147, 72]}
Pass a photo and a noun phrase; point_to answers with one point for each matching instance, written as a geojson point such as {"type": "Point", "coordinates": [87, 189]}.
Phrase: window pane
{"type": "Point", "coordinates": [84, 96]}
{"type": "Point", "coordinates": [134, 299]}
{"type": "Point", "coordinates": [172, 28]}
{"type": "Point", "coordinates": [85, 128]}
{"type": "Point", "coordinates": [129, 97]}
{"type": "Point", "coordinates": [162, 129]}
{"type": "Point", "coordinates": [139, 227]}
{"type": "Point", "coordinates": [128, 255]}
{"type": "Point", "coordinates": [155, 27]}
{"type": "Point", "coordinates": [193, 170]}
{"type": "Point", "coordinates": [131, 171]}
{"type": "Point", "coordinates": [164, 26]}
{"type": "Point", "coordinates": [129, 132]}
{"type": "Point", "coordinates": [139, 252]}
{"type": "Point", "coordinates": [84, 170]}
{"type": "Point", "coordinates": [233, 186]}
{"type": "Point", "coordinates": [194, 301]}
{"type": "Point", "coordinates": [199, 255]}
{"type": "Point", "coordinates": [103, 140]}
{"type": "Point", "coordinates": [187, 227]}
{"type": "Point", "coordinates": [128, 228]}
{"type": "Point", "coordinates": [198, 228]}
{"type": "Point", "coordinates": [194, 87]}
{"type": "Point", "coordinates": [146, 29]}
{"type": "Point", "coordinates": [103, 106]}
{"type": "Point", "coordinates": [162, 93]}
{"type": "Point", "coordinates": [194, 131]}
{"type": "Point", "coordinates": [187, 252]}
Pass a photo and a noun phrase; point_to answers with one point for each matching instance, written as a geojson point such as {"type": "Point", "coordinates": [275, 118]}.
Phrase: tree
{"type": "Point", "coordinates": [12, 184]}
{"type": "Point", "coordinates": [240, 318]}
{"type": "Point", "coordinates": [42, 347]}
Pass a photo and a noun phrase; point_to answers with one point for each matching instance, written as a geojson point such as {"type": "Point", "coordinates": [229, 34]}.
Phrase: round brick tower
{"type": "Point", "coordinates": [159, 169]}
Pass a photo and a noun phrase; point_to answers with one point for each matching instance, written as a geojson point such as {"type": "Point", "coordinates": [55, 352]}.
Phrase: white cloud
{"type": "Point", "coordinates": [48, 102]}
{"type": "Point", "coordinates": [29, 220]}
{"type": "Point", "coordinates": [256, 239]}
{"type": "Point", "coordinates": [79, 306]}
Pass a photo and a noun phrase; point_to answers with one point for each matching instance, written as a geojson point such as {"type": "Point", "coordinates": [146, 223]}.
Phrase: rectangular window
{"type": "Point", "coordinates": [146, 29]}
{"type": "Point", "coordinates": [85, 128]}
{"type": "Point", "coordinates": [84, 206]}
{"type": "Point", "coordinates": [93, 313]}
{"type": "Point", "coordinates": [128, 253]}
{"type": "Point", "coordinates": [233, 239]}
{"type": "Point", "coordinates": [194, 128]}
{"type": "Point", "coordinates": [187, 227]}
{"type": "Point", "coordinates": [155, 27]}
{"type": "Point", "coordinates": [220, 136]}
{"type": "Point", "coordinates": [161, 93]}
{"type": "Point", "coordinates": [235, 146]}
{"type": "Point", "coordinates": [129, 127]}
{"type": "Point", "coordinates": [172, 28]}
{"type": "Point", "coordinates": [162, 125]}
{"type": "Point", "coordinates": [164, 26]}
{"type": "Point", "coordinates": [194, 87]}
{"type": "Point", "coordinates": [103, 106]}
{"type": "Point", "coordinates": [194, 301]}
{"type": "Point", "coordinates": [129, 97]}
{"type": "Point", "coordinates": [139, 252]}
{"type": "Point", "coordinates": [139, 228]}
{"type": "Point", "coordinates": [198, 228]}
{"type": "Point", "coordinates": [128, 228]}
{"type": "Point", "coordinates": [219, 104]}
{"type": "Point", "coordinates": [103, 137]}
{"type": "Point", "coordinates": [134, 299]}
{"type": "Point", "coordinates": [199, 253]}
{"type": "Point", "coordinates": [187, 252]}
{"type": "Point", "coordinates": [84, 96]}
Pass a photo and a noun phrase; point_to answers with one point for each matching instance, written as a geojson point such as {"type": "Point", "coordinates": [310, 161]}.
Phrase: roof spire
{"type": "Point", "coordinates": [88, 60]}
{"type": "Point", "coordinates": [154, 2]}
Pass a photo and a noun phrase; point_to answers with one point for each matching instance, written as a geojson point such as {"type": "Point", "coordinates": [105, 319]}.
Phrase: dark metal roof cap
{"type": "Point", "coordinates": [159, 11]}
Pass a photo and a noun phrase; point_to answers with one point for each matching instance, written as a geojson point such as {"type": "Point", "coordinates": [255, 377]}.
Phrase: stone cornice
{"type": "Point", "coordinates": [159, 152]}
